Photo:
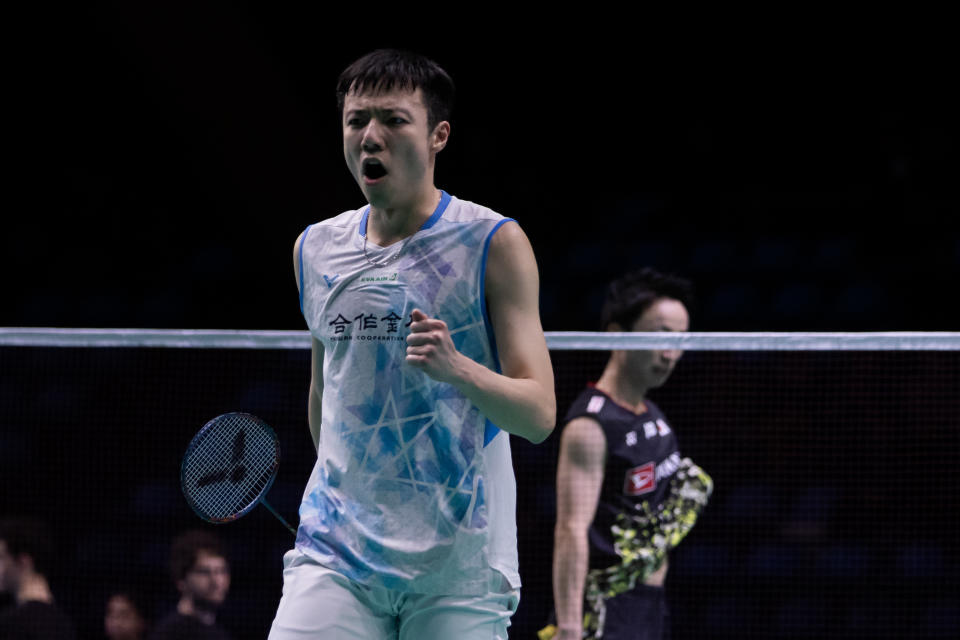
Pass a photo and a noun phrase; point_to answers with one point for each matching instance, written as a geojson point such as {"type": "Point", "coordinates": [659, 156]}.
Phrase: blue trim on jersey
{"type": "Point", "coordinates": [445, 199]}
{"type": "Point", "coordinates": [491, 430]}
{"type": "Point", "coordinates": [362, 229]}
{"type": "Point", "coordinates": [303, 241]}
{"type": "Point", "coordinates": [441, 207]}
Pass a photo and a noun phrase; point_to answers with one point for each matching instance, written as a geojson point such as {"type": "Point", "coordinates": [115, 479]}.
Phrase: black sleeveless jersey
{"type": "Point", "coordinates": [642, 455]}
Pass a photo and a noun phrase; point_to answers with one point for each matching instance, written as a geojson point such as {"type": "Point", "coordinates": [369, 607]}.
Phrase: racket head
{"type": "Point", "coordinates": [229, 466]}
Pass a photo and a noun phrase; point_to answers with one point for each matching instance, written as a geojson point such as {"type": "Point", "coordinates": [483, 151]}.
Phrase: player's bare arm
{"type": "Point", "coordinates": [315, 399]}
{"type": "Point", "coordinates": [521, 400]}
{"type": "Point", "coordinates": [580, 473]}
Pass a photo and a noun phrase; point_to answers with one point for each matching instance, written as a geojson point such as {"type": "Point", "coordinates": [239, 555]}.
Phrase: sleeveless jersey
{"type": "Point", "coordinates": [413, 488]}
{"type": "Point", "coordinates": [642, 455]}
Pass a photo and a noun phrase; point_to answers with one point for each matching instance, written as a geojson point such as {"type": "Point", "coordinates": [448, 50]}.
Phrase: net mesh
{"type": "Point", "coordinates": [836, 486]}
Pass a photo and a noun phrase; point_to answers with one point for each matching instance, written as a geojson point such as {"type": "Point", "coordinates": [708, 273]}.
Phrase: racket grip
{"type": "Point", "coordinates": [279, 517]}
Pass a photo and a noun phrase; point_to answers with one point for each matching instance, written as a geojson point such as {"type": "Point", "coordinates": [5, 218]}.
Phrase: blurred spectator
{"type": "Point", "coordinates": [26, 557]}
{"type": "Point", "coordinates": [125, 617]}
{"type": "Point", "coordinates": [201, 573]}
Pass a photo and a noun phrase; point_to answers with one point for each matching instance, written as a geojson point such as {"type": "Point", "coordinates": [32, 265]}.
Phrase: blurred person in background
{"type": "Point", "coordinates": [625, 495]}
{"type": "Point", "coordinates": [27, 554]}
{"type": "Point", "coordinates": [124, 617]}
{"type": "Point", "coordinates": [201, 573]}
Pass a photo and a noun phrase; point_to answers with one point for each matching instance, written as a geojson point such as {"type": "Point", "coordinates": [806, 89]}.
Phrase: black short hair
{"type": "Point", "coordinates": [23, 534]}
{"type": "Point", "coordinates": [134, 595]}
{"type": "Point", "coordinates": [187, 546]}
{"type": "Point", "coordinates": [385, 69]}
{"type": "Point", "coordinates": [631, 294]}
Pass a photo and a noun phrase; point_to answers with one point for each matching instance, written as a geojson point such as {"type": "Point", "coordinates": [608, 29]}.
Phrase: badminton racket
{"type": "Point", "coordinates": [229, 467]}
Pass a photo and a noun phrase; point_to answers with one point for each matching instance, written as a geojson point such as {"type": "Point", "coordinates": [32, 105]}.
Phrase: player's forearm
{"type": "Point", "coordinates": [521, 406]}
{"type": "Point", "coordinates": [570, 561]}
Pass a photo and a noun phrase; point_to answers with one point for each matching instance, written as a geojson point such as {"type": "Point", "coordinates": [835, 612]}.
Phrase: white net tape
{"type": "Point", "coordinates": [556, 340]}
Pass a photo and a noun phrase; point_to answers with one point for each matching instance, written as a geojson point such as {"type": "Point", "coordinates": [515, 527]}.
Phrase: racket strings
{"type": "Point", "coordinates": [230, 465]}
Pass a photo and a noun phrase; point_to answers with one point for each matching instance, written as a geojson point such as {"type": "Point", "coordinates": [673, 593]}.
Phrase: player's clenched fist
{"type": "Point", "coordinates": [430, 348]}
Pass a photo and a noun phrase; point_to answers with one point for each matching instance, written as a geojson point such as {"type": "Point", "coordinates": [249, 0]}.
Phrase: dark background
{"type": "Point", "coordinates": [801, 169]}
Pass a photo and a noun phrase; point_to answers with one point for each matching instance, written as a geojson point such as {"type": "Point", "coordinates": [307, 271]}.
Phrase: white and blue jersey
{"type": "Point", "coordinates": [413, 488]}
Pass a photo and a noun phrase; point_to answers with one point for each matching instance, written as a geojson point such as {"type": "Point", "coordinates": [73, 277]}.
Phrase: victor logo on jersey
{"type": "Point", "coordinates": [640, 480]}
{"type": "Point", "coordinates": [330, 280]}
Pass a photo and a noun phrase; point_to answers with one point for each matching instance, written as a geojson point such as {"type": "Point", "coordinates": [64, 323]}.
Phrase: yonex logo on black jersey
{"type": "Point", "coordinates": [669, 466]}
{"type": "Point", "coordinates": [643, 479]}
{"type": "Point", "coordinates": [640, 480]}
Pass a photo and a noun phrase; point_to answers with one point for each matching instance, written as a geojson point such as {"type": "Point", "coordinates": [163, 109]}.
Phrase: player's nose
{"type": "Point", "coordinates": [671, 355]}
{"type": "Point", "coordinates": [372, 140]}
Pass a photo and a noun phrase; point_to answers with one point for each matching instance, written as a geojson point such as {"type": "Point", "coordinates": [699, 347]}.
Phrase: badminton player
{"type": "Point", "coordinates": [625, 496]}
{"type": "Point", "coordinates": [427, 352]}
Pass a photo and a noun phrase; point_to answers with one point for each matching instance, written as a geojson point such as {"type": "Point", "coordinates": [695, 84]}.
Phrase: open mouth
{"type": "Point", "coordinates": [373, 170]}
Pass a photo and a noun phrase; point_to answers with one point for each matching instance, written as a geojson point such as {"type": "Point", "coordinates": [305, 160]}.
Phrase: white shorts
{"type": "Point", "coordinates": [319, 603]}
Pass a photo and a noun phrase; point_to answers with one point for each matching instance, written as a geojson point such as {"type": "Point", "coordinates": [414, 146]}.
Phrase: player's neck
{"type": "Point", "coordinates": [389, 224]}
{"type": "Point", "coordinates": [618, 386]}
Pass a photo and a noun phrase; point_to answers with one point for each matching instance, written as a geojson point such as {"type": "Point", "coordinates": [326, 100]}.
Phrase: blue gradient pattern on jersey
{"type": "Point", "coordinates": [398, 497]}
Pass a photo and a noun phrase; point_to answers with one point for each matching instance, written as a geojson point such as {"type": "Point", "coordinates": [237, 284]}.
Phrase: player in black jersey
{"type": "Point", "coordinates": [625, 495]}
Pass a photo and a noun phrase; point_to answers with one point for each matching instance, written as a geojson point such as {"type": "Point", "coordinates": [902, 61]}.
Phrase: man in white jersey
{"type": "Point", "coordinates": [427, 351]}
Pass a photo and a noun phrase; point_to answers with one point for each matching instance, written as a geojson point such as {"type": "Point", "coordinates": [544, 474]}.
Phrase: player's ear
{"type": "Point", "coordinates": [440, 136]}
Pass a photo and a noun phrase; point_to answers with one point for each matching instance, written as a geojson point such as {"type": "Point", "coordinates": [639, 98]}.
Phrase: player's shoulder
{"type": "Point", "coordinates": [584, 438]}
{"type": "Point", "coordinates": [591, 403]}
{"type": "Point", "coordinates": [509, 248]}
{"type": "Point", "coordinates": [332, 228]}
{"type": "Point", "coordinates": [460, 210]}
{"type": "Point", "coordinates": [344, 219]}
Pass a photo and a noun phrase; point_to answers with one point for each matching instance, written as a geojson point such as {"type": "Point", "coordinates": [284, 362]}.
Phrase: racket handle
{"type": "Point", "coordinates": [279, 517]}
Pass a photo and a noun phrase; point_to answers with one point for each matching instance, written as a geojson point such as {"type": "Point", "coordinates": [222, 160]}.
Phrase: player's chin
{"type": "Point", "coordinates": [659, 379]}
{"type": "Point", "coordinates": [212, 601]}
{"type": "Point", "coordinates": [373, 188]}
